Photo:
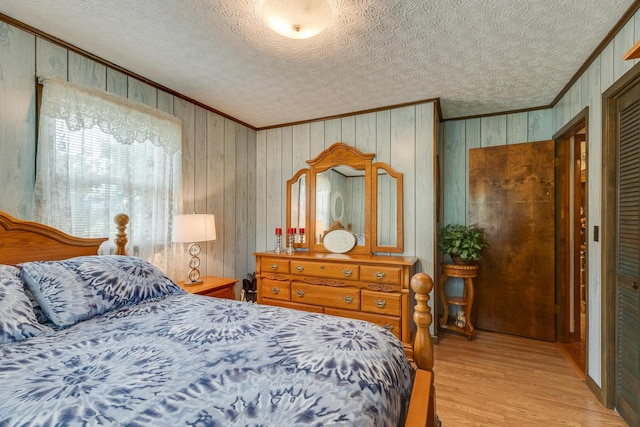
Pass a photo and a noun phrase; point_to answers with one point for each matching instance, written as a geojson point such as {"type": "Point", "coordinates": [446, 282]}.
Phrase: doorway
{"type": "Point", "coordinates": [571, 240]}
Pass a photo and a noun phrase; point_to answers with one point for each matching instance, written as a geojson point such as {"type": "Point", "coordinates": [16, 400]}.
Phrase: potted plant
{"type": "Point", "coordinates": [462, 242]}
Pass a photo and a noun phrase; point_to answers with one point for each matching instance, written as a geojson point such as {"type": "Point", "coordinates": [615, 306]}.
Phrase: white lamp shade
{"type": "Point", "coordinates": [297, 19]}
{"type": "Point", "coordinates": [194, 228]}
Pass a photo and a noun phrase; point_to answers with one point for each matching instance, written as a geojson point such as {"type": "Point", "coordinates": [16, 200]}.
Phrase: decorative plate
{"type": "Point", "coordinates": [339, 241]}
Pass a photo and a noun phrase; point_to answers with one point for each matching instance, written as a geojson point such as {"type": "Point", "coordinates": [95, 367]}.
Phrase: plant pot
{"type": "Point", "coordinates": [457, 260]}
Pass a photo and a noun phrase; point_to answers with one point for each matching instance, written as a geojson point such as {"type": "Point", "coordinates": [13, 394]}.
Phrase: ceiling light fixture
{"type": "Point", "coordinates": [297, 19]}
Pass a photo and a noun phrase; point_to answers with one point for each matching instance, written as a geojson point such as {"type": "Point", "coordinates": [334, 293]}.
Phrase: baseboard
{"type": "Point", "coordinates": [595, 389]}
{"type": "Point", "coordinates": [578, 370]}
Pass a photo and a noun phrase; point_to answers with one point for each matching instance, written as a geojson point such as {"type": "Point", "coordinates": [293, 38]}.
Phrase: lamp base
{"type": "Point", "coordinates": [196, 282]}
{"type": "Point", "coordinates": [194, 263]}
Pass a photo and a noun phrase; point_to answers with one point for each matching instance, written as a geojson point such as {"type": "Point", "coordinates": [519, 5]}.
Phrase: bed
{"type": "Point", "coordinates": [110, 340]}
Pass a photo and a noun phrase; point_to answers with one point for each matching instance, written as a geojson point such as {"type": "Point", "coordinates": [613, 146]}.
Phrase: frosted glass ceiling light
{"type": "Point", "coordinates": [297, 19]}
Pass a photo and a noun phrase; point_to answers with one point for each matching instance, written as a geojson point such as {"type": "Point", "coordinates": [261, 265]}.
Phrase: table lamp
{"type": "Point", "coordinates": [194, 228]}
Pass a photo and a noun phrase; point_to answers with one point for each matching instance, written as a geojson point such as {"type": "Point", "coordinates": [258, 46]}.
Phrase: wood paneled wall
{"type": "Point", "coordinates": [587, 92]}
{"type": "Point", "coordinates": [17, 121]}
{"type": "Point", "coordinates": [460, 135]}
{"type": "Point", "coordinates": [244, 173]}
{"type": "Point", "coordinates": [403, 137]}
{"type": "Point", "coordinates": [218, 154]}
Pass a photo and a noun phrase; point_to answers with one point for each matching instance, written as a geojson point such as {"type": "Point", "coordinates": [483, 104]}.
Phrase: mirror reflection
{"type": "Point", "coordinates": [340, 197]}
{"type": "Point", "coordinates": [297, 207]}
{"type": "Point", "coordinates": [387, 209]}
{"type": "Point", "coordinates": [299, 202]}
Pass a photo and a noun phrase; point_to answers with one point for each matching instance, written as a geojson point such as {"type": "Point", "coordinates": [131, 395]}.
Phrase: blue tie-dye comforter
{"type": "Point", "coordinates": [187, 360]}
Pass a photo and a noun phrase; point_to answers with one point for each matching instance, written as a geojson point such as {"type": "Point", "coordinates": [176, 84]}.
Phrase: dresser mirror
{"type": "Point", "coordinates": [344, 190]}
{"type": "Point", "coordinates": [298, 206]}
{"type": "Point", "coordinates": [387, 216]}
{"type": "Point", "coordinates": [339, 198]}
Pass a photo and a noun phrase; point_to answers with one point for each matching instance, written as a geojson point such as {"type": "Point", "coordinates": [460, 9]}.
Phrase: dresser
{"type": "Point", "coordinates": [374, 288]}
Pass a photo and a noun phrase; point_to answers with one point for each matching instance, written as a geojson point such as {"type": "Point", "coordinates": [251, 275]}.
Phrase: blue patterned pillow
{"type": "Point", "coordinates": [17, 319]}
{"type": "Point", "coordinates": [78, 289]}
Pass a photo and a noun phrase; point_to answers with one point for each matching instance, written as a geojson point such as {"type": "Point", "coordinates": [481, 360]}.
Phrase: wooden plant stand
{"type": "Point", "coordinates": [467, 273]}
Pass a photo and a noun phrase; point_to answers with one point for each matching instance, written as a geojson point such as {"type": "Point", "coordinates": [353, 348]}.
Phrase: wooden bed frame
{"type": "Point", "coordinates": [22, 241]}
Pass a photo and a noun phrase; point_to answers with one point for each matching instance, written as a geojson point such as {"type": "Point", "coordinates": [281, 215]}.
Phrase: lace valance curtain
{"type": "Point", "coordinates": [126, 121]}
{"type": "Point", "coordinates": [100, 155]}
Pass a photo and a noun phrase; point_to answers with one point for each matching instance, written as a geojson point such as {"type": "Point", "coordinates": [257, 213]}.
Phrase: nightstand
{"type": "Point", "coordinates": [219, 287]}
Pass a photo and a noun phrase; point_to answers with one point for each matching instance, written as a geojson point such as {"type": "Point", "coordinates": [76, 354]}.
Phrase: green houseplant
{"type": "Point", "coordinates": [462, 242]}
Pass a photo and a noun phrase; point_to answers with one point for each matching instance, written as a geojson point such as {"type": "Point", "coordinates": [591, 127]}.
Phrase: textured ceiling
{"type": "Point", "coordinates": [477, 56]}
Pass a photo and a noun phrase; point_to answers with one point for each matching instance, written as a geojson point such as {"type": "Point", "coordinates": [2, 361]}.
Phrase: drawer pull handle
{"type": "Point", "coordinates": [380, 274]}
{"type": "Point", "coordinates": [299, 268]}
{"type": "Point", "coordinates": [347, 272]}
{"type": "Point", "coordinates": [274, 266]}
{"type": "Point", "coordinates": [380, 303]}
{"type": "Point", "coordinates": [300, 293]}
{"type": "Point", "coordinates": [275, 290]}
{"type": "Point", "coordinates": [388, 326]}
{"type": "Point", "coordinates": [348, 299]}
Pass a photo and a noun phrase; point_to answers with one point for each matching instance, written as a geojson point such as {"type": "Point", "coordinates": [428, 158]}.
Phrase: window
{"type": "Point", "coordinates": [100, 155]}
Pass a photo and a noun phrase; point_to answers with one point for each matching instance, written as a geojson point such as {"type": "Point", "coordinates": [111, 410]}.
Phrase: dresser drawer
{"type": "Point", "coordinates": [390, 323]}
{"type": "Point", "coordinates": [379, 274]}
{"type": "Point", "coordinates": [347, 298]}
{"type": "Point", "coordinates": [381, 302]}
{"type": "Point", "coordinates": [276, 289]}
{"type": "Point", "coordinates": [295, 306]}
{"type": "Point", "coordinates": [274, 265]}
{"type": "Point", "coordinates": [328, 270]}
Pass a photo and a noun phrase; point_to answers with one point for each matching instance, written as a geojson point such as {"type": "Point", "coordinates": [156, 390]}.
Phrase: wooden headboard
{"type": "Point", "coordinates": [22, 241]}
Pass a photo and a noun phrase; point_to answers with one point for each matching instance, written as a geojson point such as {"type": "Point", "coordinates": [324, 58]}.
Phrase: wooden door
{"type": "Point", "coordinates": [511, 191]}
{"type": "Point", "coordinates": [627, 372]}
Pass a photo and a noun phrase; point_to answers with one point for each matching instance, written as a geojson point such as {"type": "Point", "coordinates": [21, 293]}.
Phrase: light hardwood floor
{"type": "Point", "coordinates": [502, 380]}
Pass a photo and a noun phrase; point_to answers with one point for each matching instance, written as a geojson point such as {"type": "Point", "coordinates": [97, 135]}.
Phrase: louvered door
{"type": "Point", "coordinates": [628, 262]}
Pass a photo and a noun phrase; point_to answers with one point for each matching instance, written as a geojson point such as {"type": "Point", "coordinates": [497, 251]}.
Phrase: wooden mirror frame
{"type": "Point", "coordinates": [343, 154]}
{"type": "Point", "coordinates": [336, 155]}
{"type": "Point", "coordinates": [308, 236]}
{"type": "Point", "coordinates": [399, 246]}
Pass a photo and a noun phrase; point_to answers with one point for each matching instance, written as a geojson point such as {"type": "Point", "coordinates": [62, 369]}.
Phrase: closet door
{"type": "Point", "coordinates": [628, 261]}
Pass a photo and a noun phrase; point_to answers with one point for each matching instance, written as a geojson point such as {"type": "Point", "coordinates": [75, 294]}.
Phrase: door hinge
{"type": "Point", "coordinates": [556, 161]}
